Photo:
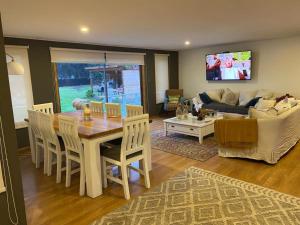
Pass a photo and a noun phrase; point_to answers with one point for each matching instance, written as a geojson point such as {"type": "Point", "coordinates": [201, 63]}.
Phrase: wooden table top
{"type": "Point", "coordinates": [99, 126]}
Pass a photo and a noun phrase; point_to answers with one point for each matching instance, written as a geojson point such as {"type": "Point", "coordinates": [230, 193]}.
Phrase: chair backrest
{"type": "Point", "coordinates": [34, 121]}
{"type": "Point", "coordinates": [113, 109]}
{"type": "Point", "coordinates": [135, 134]}
{"type": "Point", "coordinates": [173, 92]}
{"type": "Point", "coordinates": [96, 107]}
{"type": "Point", "coordinates": [45, 108]}
{"type": "Point", "coordinates": [134, 110]}
{"type": "Point", "coordinates": [47, 129]}
{"type": "Point", "coordinates": [68, 129]}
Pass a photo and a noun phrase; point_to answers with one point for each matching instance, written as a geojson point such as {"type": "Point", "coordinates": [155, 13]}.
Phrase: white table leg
{"type": "Point", "coordinates": [32, 145]}
{"type": "Point", "coordinates": [200, 137]}
{"type": "Point", "coordinates": [92, 167]}
{"type": "Point", "coordinates": [165, 129]}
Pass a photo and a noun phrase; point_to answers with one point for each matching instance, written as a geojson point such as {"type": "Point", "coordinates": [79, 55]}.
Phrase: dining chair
{"type": "Point", "coordinates": [134, 147]}
{"type": "Point", "coordinates": [96, 107]}
{"type": "Point", "coordinates": [113, 109]}
{"type": "Point", "coordinates": [53, 145]}
{"type": "Point", "coordinates": [68, 129]}
{"type": "Point", "coordinates": [45, 108]}
{"type": "Point", "coordinates": [34, 121]}
{"type": "Point", "coordinates": [134, 110]}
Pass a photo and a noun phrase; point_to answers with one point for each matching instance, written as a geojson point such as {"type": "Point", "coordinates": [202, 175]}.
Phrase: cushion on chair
{"type": "Point", "coordinates": [115, 153]}
{"type": "Point", "coordinates": [173, 99]}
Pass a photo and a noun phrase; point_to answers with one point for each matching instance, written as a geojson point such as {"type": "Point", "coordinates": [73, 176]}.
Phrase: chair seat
{"type": "Point", "coordinates": [114, 153]}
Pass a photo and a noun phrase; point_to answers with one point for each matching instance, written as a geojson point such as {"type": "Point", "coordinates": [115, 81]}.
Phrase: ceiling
{"type": "Point", "coordinates": [155, 24]}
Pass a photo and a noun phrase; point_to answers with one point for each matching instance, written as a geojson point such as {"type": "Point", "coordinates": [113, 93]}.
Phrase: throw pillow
{"type": "Point", "coordinates": [229, 97]}
{"type": "Point", "coordinates": [278, 99]}
{"type": "Point", "coordinates": [264, 94]}
{"type": "Point", "coordinates": [233, 116]}
{"type": "Point", "coordinates": [264, 104]}
{"type": "Point", "coordinates": [173, 99]}
{"type": "Point", "coordinates": [215, 94]}
{"type": "Point", "coordinates": [282, 106]}
{"type": "Point", "coordinates": [205, 98]}
{"type": "Point", "coordinates": [246, 96]}
{"type": "Point", "coordinates": [252, 102]}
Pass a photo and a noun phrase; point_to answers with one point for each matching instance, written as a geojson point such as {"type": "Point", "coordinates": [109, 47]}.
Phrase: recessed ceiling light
{"type": "Point", "coordinates": [84, 30]}
{"type": "Point", "coordinates": [187, 43]}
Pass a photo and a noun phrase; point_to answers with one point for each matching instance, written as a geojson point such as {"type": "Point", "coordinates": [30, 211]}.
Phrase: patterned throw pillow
{"type": "Point", "coordinates": [173, 99]}
{"type": "Point", "coordinates": [229, 97]}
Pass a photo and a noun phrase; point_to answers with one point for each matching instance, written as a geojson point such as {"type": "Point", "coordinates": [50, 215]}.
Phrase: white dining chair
{"type": "Point", "coordinates": [53, 145]}
{"type": "Point", "coordinates": [134, 110]}
{"type": "Point", "coordinates": [96, 107]}
{"type": "Point", "coordinates": [134, 148]}
{"type": "Point", "coordinates": [45, 108]}
{"type": "Point", "coordinates": [68, 129]}
{"type": "Point", "coordinates": [113, 109]}
{"type": "Point", "coordinates": [34, 121]}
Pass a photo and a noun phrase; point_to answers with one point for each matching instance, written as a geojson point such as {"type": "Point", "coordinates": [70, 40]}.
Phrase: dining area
{"type": "Point", "coordinates": [91, 141]}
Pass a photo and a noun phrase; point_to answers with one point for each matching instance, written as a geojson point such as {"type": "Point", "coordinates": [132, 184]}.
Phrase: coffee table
{"type": "Point", "coordinates": [191, 126]}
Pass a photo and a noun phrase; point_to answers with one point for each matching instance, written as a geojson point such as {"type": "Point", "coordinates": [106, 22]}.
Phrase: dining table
{"type": "Point", "coordinates": [99, 129]}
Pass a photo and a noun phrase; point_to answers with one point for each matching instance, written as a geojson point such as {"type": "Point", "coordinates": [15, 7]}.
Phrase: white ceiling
{"type": "Point", "coordinates": [160, 24]}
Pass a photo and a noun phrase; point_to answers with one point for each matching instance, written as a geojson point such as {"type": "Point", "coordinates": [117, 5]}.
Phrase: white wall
{"type": "Point", "coordinates": [275, 66]}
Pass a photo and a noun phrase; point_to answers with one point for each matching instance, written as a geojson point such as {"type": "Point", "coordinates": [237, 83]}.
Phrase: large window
{"type": "Point", "coordinates": [20, 85]}
{"type": "Point", "coordinates": [116, 79]}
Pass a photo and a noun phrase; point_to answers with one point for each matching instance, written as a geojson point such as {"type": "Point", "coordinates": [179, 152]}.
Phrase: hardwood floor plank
{"type": "Point", "coordinates": [48, 203]}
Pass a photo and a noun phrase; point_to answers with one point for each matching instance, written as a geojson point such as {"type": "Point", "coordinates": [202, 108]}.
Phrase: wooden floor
{"type": "Point", "coordinates": [50, 203]}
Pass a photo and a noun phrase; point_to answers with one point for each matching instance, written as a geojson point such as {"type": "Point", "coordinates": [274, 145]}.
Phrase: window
{"type": "Point", "coordinates": [93, 75]}
{"type": "Point", "coordinates": [20, 86]}
{"type": "Point", "coordinates": [161, 76]}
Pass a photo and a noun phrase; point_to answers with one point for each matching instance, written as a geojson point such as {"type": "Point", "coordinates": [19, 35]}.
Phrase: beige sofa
{"type": "Point", "coordinates": [277, 134]}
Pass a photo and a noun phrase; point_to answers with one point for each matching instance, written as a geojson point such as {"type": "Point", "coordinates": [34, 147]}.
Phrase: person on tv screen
{"type": "Point", "coordinates": [213, 70]}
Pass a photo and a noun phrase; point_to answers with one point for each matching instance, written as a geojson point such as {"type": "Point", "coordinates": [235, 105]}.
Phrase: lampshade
{"type": "Point", "coordinates": [15, 68]}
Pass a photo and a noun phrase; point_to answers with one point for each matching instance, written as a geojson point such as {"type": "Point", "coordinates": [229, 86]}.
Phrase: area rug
{"type": "Point", "coordinates": [197, 196]}
{"type": "Point", "coordinates": [184, 145]}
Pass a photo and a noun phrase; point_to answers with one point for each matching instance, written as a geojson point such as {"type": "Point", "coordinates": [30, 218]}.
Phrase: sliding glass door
{"type": "Point", "coordinates": [81, 83]}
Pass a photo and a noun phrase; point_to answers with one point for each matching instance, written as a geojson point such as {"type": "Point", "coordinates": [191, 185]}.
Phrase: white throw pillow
{"type": "Point", "coordinates": [246, 96]}
{"type": "Point", "coordinates": [283, 106]}
{"type": "Point", "coordinates": [229, 97]}
{"type": "Point", "coordinates": [215, 94]}
{"type": "Point", "coordinates": [264, 94]}
{"type": "Point", "coordinates": [264, 105]}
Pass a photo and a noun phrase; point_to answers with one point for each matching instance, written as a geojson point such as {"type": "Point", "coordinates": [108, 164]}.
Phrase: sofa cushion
{"type": "Point", "coordinates": [205, 98]}
{"type": "Point", "coordinates": [233, 116]}
{"type": "Point", "coordinates": [229, 97]}
{"type": "Point", "coordinates": [257, 114]}
{"type": "Point", "coordinates": [222, 107]}
{"type": "Point", "coordinates": [216, 94]}
{"type": "Point", "coordinates": [264, 104]}
{"type": "Point", "coordinates": [264, 94]}
{"type": "Point", "coordinates": [246, 96]}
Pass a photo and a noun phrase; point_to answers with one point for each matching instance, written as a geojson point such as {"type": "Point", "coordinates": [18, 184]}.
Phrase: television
{"type": "Point", "coordinates": [229, 66]}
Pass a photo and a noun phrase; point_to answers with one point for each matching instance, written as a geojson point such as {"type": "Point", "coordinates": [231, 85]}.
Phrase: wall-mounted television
{"type": "Point", "coordinates": [229, 66]}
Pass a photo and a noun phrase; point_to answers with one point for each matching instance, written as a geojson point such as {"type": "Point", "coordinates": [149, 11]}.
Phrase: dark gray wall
{"type": "Point", "coordinates": [42, 76]}
{"type": "Point", "coordinates": [11, 144]}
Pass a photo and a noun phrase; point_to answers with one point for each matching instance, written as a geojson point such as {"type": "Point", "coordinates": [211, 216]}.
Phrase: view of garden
{"type": "Point", "coordinates": [87, 82]}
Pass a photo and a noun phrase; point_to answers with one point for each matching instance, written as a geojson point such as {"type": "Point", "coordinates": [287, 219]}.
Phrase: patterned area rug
{"type": "Point", "coordinates": [184, 145]}
{"type": "Point", "coordinates": [201, 197]}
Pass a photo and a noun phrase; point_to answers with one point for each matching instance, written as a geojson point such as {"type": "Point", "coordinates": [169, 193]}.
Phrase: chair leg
{"type": "Point", "coordinates": [146, 172]}
{"type": "Point", "coordinates": [45, 160]}
{"type": "Point", "coordinates": [104, 172]}
{"type": "Point", "coordinates": [37, 156]}
{"type": "Point", "coordinates": [68, 172]}
{"type": "Point", "coordinates": [58, 168]}
{"type": "Point", "coordinates": [125, 181]}
{"type": "Point", "coordinates": [82, 178]}
{"type": "Point", "coordinates": [49, 163]}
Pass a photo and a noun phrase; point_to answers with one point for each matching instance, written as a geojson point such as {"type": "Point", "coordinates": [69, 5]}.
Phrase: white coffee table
{"type": "Point", "coordinates": [191, 126]}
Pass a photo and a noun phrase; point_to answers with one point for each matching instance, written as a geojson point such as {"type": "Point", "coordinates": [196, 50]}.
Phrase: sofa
{"type": "Point", "coordinates": [225, 100]}
{"type": "Point", "coordinates": [277, 134]}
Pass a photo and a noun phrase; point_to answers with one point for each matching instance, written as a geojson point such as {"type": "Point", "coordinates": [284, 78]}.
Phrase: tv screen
{"type": "Point", "coordinates": [229, 66]}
